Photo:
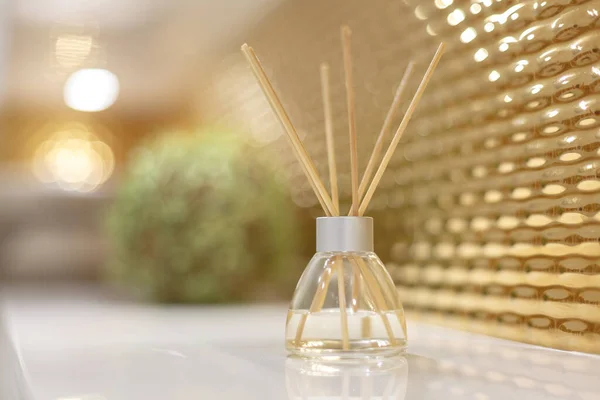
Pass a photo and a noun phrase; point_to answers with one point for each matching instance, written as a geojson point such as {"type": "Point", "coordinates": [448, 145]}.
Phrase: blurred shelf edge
{"type": "Point", "coordinates": [19, 181]}
{"type": "Point", "coordinates": [50, 233]}
{"type": "Point", "coordinates": [12, 384]}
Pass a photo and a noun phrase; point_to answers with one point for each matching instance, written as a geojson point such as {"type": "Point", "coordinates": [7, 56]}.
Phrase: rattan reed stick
{"type": "Point", "coordinates": [389, 294]}
{"type": "Point", "coordinates": [325, 278]}
{"type": "Point", "coordinates": [405, 120]}
{"type": "Point", "coordinates": [300, 329]}
{"type": "Point", "coordinates": [377, 296]}
{"type": "Point", "coordinates": [317, 302]}
{"type": "Point", "coordinates": [402, 319]}
{"type": "Point", "coordinates": [319, 299]}
{"type": "Point", "coordinates": [365, 328]}
{"type": "Point", "coordinates": [347, 51]}
{"type": "Point", "coordinates": [333, 172]}
{"type": "Point", "coordinates": [300, 150]}
{"type": "Point", "coordinates": [342, 300]}
{"type": "Point", "coordinates": [326, 94]}
{"type": "Point", "coordinates": [355, 288]}
{"type": "Point", "coordinates": [385, 128]}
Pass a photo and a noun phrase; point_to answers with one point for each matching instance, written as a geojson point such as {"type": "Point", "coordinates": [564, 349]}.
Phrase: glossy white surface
{"type": "Point", "coordinates": [80, 344]}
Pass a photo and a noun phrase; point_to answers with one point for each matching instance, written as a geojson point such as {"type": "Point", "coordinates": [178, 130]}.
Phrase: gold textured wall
{"type": "Point", "coordinates": [489, 215]}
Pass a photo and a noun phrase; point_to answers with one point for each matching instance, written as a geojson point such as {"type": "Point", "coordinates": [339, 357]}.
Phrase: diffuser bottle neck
{"type": "Point", "coordinates": [346, 234]}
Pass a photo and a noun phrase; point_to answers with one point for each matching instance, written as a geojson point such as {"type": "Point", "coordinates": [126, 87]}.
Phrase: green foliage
{"type": "Point", "coordinates": [202, 219]}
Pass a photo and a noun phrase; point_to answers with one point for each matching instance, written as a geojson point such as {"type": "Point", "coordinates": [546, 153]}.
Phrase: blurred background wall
{"type": "Point", "coordinates": [488, 216]}
{"type": "Point", "coordinates": [59, 163]}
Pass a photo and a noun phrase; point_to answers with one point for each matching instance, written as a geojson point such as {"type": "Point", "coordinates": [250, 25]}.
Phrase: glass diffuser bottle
{"type": "Point", "coordinates": [345, 304]}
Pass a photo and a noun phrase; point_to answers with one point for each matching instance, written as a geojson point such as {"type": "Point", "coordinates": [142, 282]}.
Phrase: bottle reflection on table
{"type": "Point", "coordinates": [384, 379]}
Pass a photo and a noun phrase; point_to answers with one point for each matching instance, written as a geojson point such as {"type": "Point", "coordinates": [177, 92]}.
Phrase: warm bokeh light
{"type": "Point", "coordinates": [468, 35]}
{"type": "Point", "coordinates": [430, 30]}
{"type": "Point", "coordinates": [419, 13]}
{"type": "Point", "coordinates": [91, 90]}
{"type": "Point", "coordinates": [480, 55]}
{"type": "Point", "coordinates": [75, 160]}
{"type": "Point", "coordinates": [72, 50]}
{"type": "Point", "coordinates": [521, 65]}
{"type": "Point", "coordinates": [535, 89]}
{"type": "Point", "coordinates": [441, 4]}
{"type": "Point", "coordinates": [475, 8]}
{"type": "Point", "coordinates": [456, 17]}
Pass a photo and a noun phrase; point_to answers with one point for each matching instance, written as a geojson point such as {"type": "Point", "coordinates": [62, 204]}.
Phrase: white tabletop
{"type": "Point", "coordinates": [78, 344]}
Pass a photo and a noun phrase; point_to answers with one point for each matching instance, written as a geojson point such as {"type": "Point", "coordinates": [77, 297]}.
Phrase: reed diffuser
{"type": "Point", "coordinates": [345, 304]}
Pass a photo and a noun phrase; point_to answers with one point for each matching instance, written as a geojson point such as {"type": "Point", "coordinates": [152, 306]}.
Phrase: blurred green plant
{"type": "Point", "coordinates": [203, 219]}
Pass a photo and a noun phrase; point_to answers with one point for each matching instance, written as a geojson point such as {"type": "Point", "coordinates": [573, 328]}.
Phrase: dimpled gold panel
{"type": "Point", "coordinates": [489, 214]}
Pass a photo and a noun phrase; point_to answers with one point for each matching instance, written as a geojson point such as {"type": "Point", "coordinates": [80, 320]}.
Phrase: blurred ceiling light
{"type": "Point", "coordinates": [468, 35]}
{"type": "Point", "coordinates": [456, 17]}
{"type": "Point", "coordinates": [72, 50]}
{"type": "Point", "coordinates": [91, 90]}
{"type": "Point", "coordinates": [488, 27]}
{"type": "Point", "coordinates": [110, 14]}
